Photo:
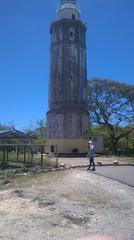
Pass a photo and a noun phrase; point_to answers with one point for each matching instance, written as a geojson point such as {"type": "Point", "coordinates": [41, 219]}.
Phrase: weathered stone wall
{"type": "Point", "coordinates": [67, 124]}
{"type": "Point", "coordinates": [67, 116]}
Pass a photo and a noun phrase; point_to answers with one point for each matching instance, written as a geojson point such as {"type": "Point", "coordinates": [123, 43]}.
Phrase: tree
{"type": "Point", "coordinates": [7, 126]}
{"type": "Point", "coordinates": [128, 91]}
{"type": "Point", "coordinates": [38, 131]}
{"type": "Point", "coordinates": [111, 104]}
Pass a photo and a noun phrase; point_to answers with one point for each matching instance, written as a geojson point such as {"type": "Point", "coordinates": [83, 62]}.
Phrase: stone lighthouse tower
{"type": "Point", "coordinates": [67, 116]}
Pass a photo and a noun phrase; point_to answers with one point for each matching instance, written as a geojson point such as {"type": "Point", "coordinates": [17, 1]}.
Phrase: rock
{"type": "Point", "coordinates": [19, 192]}
{"type": "Point", "coordinates": [42, 203]}
{"type": "Point", "coordinates": [16, 171]}
{"type": "Point", "coordinates": [25, 174]}
{"type": "Point", "coordinates": [61, 165]}
{"type": "Point", "coordinates": [115, 162]}
{"type": "Point", "coordinates": [6, 182]}
{"type": "Point", "coordinates": [99, 163]}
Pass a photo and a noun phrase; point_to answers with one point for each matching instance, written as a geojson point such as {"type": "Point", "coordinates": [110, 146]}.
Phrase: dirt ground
{"type": "Point", "coordinates": [66, 205]}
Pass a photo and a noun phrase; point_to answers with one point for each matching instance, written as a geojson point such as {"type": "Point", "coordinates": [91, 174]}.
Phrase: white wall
{"type": "Point", "coordinates": [98, 144]}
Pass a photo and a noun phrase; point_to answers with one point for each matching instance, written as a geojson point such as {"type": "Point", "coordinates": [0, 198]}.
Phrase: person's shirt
{"type": "Point", "coordinates": [91, 150]}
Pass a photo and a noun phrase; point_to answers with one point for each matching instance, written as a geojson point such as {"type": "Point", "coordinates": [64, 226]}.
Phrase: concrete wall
{"type": "Point", "coordinates": [98, 144]}
{"type": "Point", "coordinates": [68, 145]}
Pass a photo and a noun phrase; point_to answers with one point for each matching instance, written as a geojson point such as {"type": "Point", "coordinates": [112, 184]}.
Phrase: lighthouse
{"type": "Point", "coordinates": [67, 116]}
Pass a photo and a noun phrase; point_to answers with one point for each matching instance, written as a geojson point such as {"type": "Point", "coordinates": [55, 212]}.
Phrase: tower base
{"type": "Point", "coordinates": [68, 146]}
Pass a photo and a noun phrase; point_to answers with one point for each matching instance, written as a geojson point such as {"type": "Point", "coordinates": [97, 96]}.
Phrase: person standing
{"type": "Point", "coordinates": [91, 155]}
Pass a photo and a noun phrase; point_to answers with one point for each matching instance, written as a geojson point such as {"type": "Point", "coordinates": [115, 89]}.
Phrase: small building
{"type": "Point", "coordinates": [98, 144]}
{"type": "Point", "coordinates": [14, 134]}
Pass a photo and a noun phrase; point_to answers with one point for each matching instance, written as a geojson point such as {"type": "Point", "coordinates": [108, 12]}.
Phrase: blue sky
{"type": "Point", "coordinates": [25, 46]}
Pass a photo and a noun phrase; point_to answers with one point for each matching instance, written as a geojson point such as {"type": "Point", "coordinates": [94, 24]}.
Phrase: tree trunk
{"type": "Point", "coordinates": [114, 144]}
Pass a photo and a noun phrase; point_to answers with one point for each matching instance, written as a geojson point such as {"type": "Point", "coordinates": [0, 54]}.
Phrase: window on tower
{"type": "Point", "coordinates": [73, 16]}
{"type": "Point", "coordinates": [71, 33]}
{"type": "Point", "coordinates": [60, 33]}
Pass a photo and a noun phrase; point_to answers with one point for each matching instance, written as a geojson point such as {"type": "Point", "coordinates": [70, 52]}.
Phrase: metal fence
{"type": "Point", "coordinates": [28, 154]}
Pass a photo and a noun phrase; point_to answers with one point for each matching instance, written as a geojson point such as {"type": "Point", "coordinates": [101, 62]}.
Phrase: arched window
{"type": "Point", "coordinates": [73, 16]}
{"type": "Point", "coordinates": [71, 34]}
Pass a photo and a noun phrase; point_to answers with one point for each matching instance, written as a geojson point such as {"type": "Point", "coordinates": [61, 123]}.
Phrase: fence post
{"type": "Point", "coordinates": [7, 154]}
{"type": "Point", "coordinates": [42, 149]}
{"type": "Point", "coordinates": [56, 156]}
{"type": "Point", "coordinates": [17, 154]}
{"type": "Point", "coordinates": [4, 156]}
{"type": "Point", "coordinates": [24, 155]}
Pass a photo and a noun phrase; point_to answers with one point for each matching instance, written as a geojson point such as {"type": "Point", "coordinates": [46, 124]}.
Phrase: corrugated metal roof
{"type": "Point", "coordinates": [4, 131]}
{"type": "Point", "coordinates": [14, 134]}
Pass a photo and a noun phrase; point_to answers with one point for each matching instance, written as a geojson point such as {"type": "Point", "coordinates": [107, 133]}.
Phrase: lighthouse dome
{"type": "Point", "coordinates": [68, 9]}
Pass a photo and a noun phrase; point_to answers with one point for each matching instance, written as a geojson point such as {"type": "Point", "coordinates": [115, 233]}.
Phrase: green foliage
{"type": "Point", "coordinates": [111, 105]}
{"type": "Point", "coordinates": [38, 132]}
{"type": "Point", "coordinates": [126, 144]}
{"type": "Point", "coordinates": [100, 130]}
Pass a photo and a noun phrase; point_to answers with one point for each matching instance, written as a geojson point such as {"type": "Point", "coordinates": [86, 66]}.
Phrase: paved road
{"type": "Point", "coordinates": [123, 174]}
